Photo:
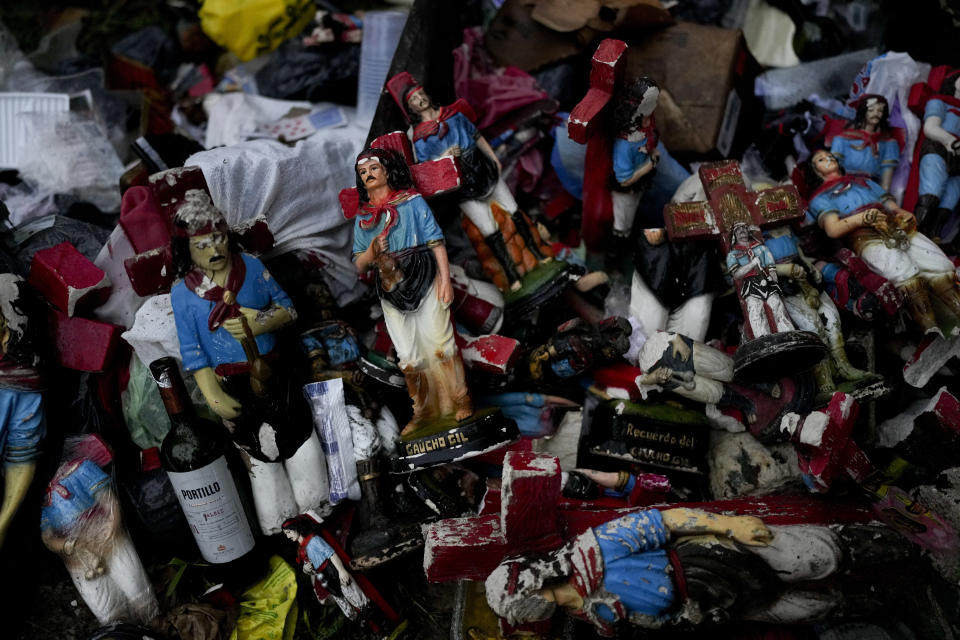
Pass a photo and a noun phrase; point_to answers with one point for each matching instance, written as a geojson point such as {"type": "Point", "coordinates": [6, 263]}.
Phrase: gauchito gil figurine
{"type": "Point", "coordinates": [937, 162]}
{"type": "Point", "coordinates": [449, 131]}
{"type": "Point", "coordinates": [395, 231]}
{"type": "Point", "coordinates": [688, 567]}
{"type": "Point", "coordinates": [870, 222]}
{"type": "Point", "coordinates": [81, 522]}
{"type": "Point", "coordinates": [22, 426]}
{"type": "Point", "coordinates": [869, 146]}
{"type": "Point", "coordinates": [227, 310]}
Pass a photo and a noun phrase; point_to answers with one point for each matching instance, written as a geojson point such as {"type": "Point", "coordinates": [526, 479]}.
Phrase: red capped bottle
{"type": "Point", "coordinates": [193, 454]}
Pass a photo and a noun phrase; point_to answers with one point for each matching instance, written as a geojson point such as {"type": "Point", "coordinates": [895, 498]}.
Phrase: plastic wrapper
{"type": "Point", "coordinates": [296, 72]}
{"type": "Point", "coordinates": [50, 231]}
{"type": "Point", "coordinates": [782, 88]}
{"type": "Point", "coordinates": [81, 522]}
{"type": "Point", "coordinates": [69, 153]}
{"type": "Point", "coordinates": [269, 608]}
{"type": "Point", "coordinates": [332, 422]}
{"type": "Point", "coordinates": [143, 410]}
{"type": "Point", "coordinates": [249, 28]}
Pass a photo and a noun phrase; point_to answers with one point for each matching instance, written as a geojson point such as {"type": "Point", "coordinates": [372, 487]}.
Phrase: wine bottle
{"type": "Point", "coordinates": [193, 455]}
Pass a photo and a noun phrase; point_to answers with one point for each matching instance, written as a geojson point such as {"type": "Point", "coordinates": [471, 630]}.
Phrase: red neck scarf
{"type": "Point", "coordinates": [872, 139]}
{"type": "Point", "coordinates": [370, 214]}
{"type": "Point", "coordinates": [844, 180]}
{"type": "Point", "coordinates": [226, 297]}
{"type": "Point", "coordinates": [436, 127]}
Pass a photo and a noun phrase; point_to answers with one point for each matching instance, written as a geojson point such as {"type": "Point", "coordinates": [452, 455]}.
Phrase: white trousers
{"type": "Point", "coordinates": [922, 258]}
{"type": "Point", "coordinates": [625, 210]}
{"type": "Point", "coordinates": [123, 592]}
{"type": "Point", "coordinates": [692, 318]}
{"type": "Point", "coordinates": [481, 214]}
{"type": "Point", "coordinates": [284, 489]}
{"type": "Point", "coordinates": [423, 336]}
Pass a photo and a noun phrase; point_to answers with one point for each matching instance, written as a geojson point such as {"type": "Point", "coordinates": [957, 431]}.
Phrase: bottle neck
{"type": "Point", "coordinates": [174, 395]}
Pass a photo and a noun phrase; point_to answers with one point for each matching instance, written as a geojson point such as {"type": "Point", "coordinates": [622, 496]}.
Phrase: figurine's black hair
{"type": "Point", "coordinates": [300, 525]}
{"type": "Point", "coordinates": [398, 174]}
{"type": "Point", "coordinates": [27, 347]}
{"type": "Point", "coordinates": [860, 120]}
{"type": "Point", "coordinates": [811, 178]}
{"type": "Point", "coordinates": [628, 101]}
{"type": "Point", "coordinates": [949, 85]}
{"type": "Point", "coordinates": [180, 252]}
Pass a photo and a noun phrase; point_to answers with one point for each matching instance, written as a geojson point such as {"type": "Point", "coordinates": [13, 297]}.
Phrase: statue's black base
{"type": "Point", "coordinates": [446, 440]}
{"type": "Point", "coordinates": [541, 285]}
{"type": "Point", "coordinates": [382, 370]}
{"type": "Point", "coordinates": [374, 547]}
{"type": "Point", "coordinates": [773, 356]}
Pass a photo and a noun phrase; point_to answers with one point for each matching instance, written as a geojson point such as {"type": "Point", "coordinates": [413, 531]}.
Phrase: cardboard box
{"type": "Point", "coordinates": [706, 78]}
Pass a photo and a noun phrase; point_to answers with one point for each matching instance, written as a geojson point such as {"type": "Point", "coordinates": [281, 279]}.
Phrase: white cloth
{"type": "Point", "coordinates": [295, 189]}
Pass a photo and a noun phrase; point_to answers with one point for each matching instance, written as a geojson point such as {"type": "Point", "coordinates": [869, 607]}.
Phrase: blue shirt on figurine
{"type": "Point", "coordinates": [415, 226]}
{"type": "Point", "coordinates": [460, 132]}
{"type": "Point", "coordinates": [200, 347]}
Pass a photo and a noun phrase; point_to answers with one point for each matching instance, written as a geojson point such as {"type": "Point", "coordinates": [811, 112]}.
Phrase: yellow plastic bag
{"type": "Point", "coordinates": [249, 28]}
{"type": "Point", "coordinates": [270, 609]}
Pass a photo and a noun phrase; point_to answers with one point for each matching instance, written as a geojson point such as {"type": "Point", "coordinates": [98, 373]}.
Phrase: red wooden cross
{"type": "Point", "coordinates": [587, 125]}
{"type": "Point", "coordinates": [532, 516]}
{"type": "Point", "coordinates": [729, 202]}
{"type": "Point", "coordinates": [430, 178]}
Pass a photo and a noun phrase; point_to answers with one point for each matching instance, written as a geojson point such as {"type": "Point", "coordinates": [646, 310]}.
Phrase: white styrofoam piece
{"type": "Point", "coordinates": [13, 136]}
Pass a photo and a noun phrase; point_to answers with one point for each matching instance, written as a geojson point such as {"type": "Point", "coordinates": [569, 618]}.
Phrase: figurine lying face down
{"type": "Point", "coordinates": [651, 568]}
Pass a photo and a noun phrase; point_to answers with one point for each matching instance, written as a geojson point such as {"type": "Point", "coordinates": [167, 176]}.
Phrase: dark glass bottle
{"type": "Point", "coordinates": [193, 453]}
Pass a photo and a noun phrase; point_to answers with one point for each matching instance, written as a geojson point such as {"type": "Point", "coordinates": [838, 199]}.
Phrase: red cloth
{"type": "Point", "coordinates": [370, 214]}
{"type": "Point", "coordinates": [491, 90]}
{"type": "Point", "coordinates": [829, 184]}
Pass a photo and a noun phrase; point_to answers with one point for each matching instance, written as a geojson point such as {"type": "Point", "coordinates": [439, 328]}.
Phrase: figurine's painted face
{"type": "Point", "coordinates": [418, 101]}
{"type": "Point", "coordinates": [372, 173]}
{"type": "Point", "coordinates": [824, 163]}
{"type": "Point", "coordinates": [291, 535]}
{"type": "Point", "coordinates": [741, 234]}
{"type": "Point", "coordinates": [875, 111]}
{"type": "Point", "coordinates": [210, 251]}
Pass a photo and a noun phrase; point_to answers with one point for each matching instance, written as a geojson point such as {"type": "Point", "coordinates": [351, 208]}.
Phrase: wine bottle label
{"type": "Point", "coordinates": [211, 504]}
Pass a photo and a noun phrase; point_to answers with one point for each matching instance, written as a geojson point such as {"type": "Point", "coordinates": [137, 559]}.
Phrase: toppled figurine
{"type": "Point", "coordinates": [689, 567]}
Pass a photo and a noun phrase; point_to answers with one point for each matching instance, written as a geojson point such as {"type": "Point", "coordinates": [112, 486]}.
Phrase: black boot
{"type": "Point", "coordinates": [926, 214]}
{"type": "Point", "coordinates": [499, 249]}
{"type": "Point", "coordinates": [523, 228]}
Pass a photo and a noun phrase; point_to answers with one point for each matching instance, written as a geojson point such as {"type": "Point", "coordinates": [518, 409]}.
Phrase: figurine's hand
{"type": "Point", "coordinates": [234, 326]}
{"type": "Point", "coordinates": [345, 577]}
{"type": "Point", "coordinates": [876, 219]}
{"type": "Point", "coordinates": [224, 405]}
{"type": "Point", "coordinates": [444, 291]}
{"type": "Point", "coordinates": [796, 272]}
{"type": "Point", "coordinates": [657, 376]}
{"type": "Point", "coordinates": [681, 349]}
{"type": "Point", "coordinates": [749, 530]}
{"type": "Point", "coordinates": [955, 146]}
